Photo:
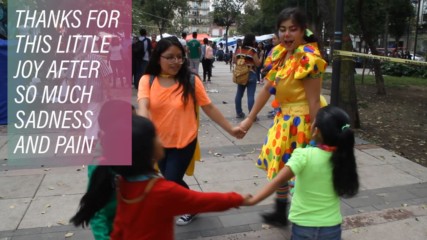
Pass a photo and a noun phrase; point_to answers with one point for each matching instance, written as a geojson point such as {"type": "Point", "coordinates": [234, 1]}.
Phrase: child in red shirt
{"type": "Point", "coordinates": [146, 203]}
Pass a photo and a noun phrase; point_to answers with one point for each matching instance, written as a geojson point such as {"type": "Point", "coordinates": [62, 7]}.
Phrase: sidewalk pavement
{"type": "Point", "coordinates": [37, 203]}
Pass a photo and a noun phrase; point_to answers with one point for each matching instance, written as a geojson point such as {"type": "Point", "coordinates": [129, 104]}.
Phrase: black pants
{"type": "Point", "coordinates": [207, 68]}
{"type": "Point", "coordinates": [176, 161]}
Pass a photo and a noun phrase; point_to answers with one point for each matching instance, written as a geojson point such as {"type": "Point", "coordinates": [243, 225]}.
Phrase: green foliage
{"type": "Point", "coordinates": [370, 12]}
{"type": "Point", "coordinates": [400, 13]}
{"type": "Point", "coordinates": [266, 12]}
{"type": "Point", "coordinates": [252, 24]}
{"type": "Point", "coordinates": [159, 12]}
{"type": "Point", "coordinates": [227, 12]}
{"type": "Point", "coordinates": [373, 14]}
{"type": "Point", "coordinates": [271, 9]}
{"type": "Point", "coordinates": [399, 70]}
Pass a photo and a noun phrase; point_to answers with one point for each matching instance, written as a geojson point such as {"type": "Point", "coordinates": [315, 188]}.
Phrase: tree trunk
{"type": "Point", "coordinates": [379, 80]}
{"type": "Point", "coordinates": [325, 9]}
{"type": "Point", "coordinates": [347, 92]}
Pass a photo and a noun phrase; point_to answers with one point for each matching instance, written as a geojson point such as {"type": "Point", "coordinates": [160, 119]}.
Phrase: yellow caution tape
{"type": "Point", "coordinates": [382, 58]}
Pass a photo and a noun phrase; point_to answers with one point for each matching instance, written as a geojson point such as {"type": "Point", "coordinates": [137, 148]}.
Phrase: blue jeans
{"type": "Point", "coordinates": [251, 86]}
{"type": "Point", "coordinates": [176, 161]}
{"type": "Point", "coordinates": [316, 233]}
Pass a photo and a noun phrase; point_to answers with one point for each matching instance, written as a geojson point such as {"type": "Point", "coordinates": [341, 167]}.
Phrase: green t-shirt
{"type": "Point", "coordinates": [315, 202]}
{"type": "Point", "coordinates": [193, 47]}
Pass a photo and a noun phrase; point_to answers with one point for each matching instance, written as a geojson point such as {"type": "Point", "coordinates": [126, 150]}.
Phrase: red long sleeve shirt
{"type": "Point", "coordinates": [153, 217]}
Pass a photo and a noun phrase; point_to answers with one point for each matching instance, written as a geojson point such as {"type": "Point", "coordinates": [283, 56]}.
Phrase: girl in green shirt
{"type": "Point", "coordinates": [324, 173]}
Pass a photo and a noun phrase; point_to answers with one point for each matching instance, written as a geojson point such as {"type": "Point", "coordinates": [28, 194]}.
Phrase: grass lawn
{"type": "Point", "coordinates": [390, 81]}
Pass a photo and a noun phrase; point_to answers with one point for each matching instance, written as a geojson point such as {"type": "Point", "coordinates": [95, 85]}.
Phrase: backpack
{"type": "Point", "coordinates": [138, 49]}
{"type": "Point", "coordinates": [241, 71]}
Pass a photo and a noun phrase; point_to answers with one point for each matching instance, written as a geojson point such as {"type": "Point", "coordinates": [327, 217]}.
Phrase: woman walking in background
{"type": "Point", "coordinates": [207, 60]}
{"type": "Point", "coordinates": [248, 52]}
{"type": "Point", "coordinates": [115, 57]}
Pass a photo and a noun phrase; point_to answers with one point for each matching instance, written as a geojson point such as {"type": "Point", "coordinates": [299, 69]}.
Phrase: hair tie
{"type": "Point", "coordinates": [308, 32]}
{"type": "Point", "coordinates": [345, 127]}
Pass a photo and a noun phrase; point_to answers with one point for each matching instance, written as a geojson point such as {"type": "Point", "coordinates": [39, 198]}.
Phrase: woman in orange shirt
{"type": "Point", "coordinates": [169, 94]}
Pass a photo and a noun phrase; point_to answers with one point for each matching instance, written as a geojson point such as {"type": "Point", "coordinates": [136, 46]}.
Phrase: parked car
{"type": "Point", "coordinates": [419, 58]}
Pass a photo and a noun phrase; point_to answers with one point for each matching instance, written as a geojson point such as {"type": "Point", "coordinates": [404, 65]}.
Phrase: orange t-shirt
{"type": "Point", "coordinates": [175, 122]}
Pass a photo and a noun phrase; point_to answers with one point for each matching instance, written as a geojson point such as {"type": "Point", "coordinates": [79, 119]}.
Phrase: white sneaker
{"type": "Point", "coordinates": [185, 219]}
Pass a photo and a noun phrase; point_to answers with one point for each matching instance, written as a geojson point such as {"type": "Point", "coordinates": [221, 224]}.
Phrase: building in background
{"type": "Point", "coordinates": [199, 17]}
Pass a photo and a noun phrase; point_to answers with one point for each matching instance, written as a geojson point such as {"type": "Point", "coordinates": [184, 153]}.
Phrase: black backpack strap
{"type": "Point", "coordinates": [151, 79]}
{"type": "Point", "coordinates": [193, 83]}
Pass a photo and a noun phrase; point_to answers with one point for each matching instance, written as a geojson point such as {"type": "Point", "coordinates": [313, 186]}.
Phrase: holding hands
{"type": "Point", "coordinates": [246, 124]}
{"type": "Point", "coordinates": [238, 132]}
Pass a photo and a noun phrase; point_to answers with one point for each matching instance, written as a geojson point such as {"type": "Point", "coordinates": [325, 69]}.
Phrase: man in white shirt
{"type": "Point", "coordinates": [183, 40]}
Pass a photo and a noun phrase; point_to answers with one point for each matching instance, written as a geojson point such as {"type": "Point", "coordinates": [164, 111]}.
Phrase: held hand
{"type": "Point", "coordinates": [238, 132]}
{"type": "Point", "coordinates": [246, 124]}
{"type": "Point", "coordinates": [247, 200]}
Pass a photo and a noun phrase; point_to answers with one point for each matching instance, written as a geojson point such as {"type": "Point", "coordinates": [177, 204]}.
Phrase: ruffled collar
{"type": "Point", "coordinates": [279, 51]}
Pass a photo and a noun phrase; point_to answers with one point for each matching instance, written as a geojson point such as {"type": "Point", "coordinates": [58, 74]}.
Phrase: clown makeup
{"type": "Point", "coordinates": [291, 35]}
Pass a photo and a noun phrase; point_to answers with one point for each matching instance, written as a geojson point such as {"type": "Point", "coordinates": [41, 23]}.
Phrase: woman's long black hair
{"type": "Point", "coordinates": [184, 74]}
{"type": "Point", "coordinates": [102, 187]}
{"type": "Point", "coordinates": [249, 40]}
{"type": "Point", "coordinates": [333, 124]}
{"type": "Point", "coordinates": [299, 18]}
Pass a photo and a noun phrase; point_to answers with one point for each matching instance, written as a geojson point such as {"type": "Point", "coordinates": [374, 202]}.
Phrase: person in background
{"type": "Point", "coordinates": [325, 172]}
{"type": "Point", "coordinates": [194, 50]}
{"type": "Point", "coordinates": [171, 99]}
{"type": "Point", "coordinates": [153, 41]}
{"type": "Point", "coordinates": [141, 51]}
{"type": "Point", "coordinates": [115, 57]}
{"type": "Point", "coordinates": [220, 52]}
{"type": "Point", "coordinates": [127, 55]}
{"type": "Point", "coordinates": [207, 59]}
{"type": "Point", "coordinates": [215, 49]}
{"type": "Point", "coordinates": [183, 41]}
{"type": "Point", "coordinates": [295, 80]}
{"type": "Point", "coordinates": [247, 51]}
{"type": "Point", "coordinates": [260, 52]}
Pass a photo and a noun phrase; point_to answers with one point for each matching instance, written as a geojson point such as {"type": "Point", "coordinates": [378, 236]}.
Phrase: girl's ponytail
{"type": "Point", "coordinates": [99, 193]}
{"type": "Point", "coordinates": [335, 130]}
{"type": "Point", "coordinates": [345, 177]}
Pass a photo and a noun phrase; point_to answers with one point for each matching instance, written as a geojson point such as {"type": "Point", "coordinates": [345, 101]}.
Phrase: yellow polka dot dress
{"type": "Point", "coordinates": [291, 126]}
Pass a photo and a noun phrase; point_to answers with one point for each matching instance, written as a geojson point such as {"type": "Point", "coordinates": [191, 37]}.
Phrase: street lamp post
{"type": "Point", "coordinates": [336, 66]}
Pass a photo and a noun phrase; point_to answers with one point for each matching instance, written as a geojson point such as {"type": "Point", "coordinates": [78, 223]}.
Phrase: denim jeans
{"type": "Point", "coordinates": [176, 161]}
{"type": "Point", "coordinates": [194, 65]}
{"type": "Point", "coordinates": [251, 86]}
{"type": "Point", "coordinates": [316, 233]}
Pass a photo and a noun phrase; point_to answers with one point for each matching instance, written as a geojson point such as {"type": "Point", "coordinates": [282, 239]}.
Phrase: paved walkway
{"type": "Point", "coordinates": [37, 203]}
